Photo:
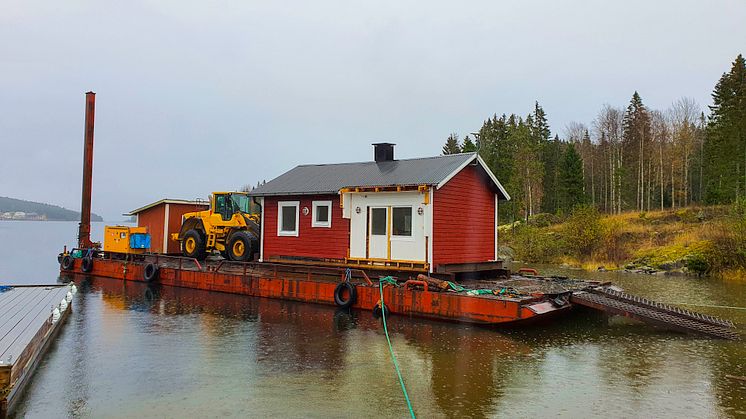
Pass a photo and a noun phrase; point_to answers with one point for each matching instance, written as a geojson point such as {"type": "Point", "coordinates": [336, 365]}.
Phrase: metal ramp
{"type": "Point", "coordinates": [654, 313]}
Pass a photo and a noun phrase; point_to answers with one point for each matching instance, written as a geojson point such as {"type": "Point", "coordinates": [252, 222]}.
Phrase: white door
{"type": "Point", "coordinates": [378, 233]}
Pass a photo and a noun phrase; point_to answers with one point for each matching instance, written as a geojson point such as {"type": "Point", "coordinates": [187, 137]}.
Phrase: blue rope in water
{"type": "Point", "coordinates": [391, 348]}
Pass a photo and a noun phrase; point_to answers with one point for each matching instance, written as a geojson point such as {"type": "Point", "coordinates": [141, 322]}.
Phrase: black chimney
{"type": "Point", "coordinates": [383, 152]}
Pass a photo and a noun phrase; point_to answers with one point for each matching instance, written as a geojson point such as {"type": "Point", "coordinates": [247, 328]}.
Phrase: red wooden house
{"type": "Point", "coordinates": [437, 214]}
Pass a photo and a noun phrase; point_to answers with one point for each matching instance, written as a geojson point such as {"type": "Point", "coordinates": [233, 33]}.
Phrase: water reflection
{"type": "Point", "coordinates": [131, 350]}
{"type": "Point", "coordinates": [469, 367]}
{"type": "Point", "coordinates": [465, 369]}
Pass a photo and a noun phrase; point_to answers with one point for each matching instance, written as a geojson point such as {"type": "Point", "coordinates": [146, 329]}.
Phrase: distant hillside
{"type": "Point", "coordinates": [50, 212]}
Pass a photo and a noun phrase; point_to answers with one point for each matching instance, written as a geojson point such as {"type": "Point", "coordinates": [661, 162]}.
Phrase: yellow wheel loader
{"type": "Point", "coordinates": [229, 226]}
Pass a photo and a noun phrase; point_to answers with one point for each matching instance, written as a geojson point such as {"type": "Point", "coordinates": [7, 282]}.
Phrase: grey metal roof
{"type": "Point", "coordinates": [330, 178]}
{"type": "Point", "coordinates": [169, 201]}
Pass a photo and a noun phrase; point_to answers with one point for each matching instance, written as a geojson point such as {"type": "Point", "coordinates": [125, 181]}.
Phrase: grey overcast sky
{"type": "Point", "coordinates": [195, 96]}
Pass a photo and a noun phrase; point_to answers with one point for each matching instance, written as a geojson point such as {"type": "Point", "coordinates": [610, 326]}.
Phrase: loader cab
{"type": "Point", "coordinates": [226, 204]}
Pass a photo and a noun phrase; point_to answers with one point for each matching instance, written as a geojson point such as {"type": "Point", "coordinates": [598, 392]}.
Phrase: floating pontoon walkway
{"type": "Point", "coordinates": [655, 313]}
{"type": "Point", "coordinates": [30, 317]}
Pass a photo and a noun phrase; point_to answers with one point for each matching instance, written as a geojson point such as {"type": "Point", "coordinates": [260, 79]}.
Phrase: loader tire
{"type": "Point", "coordinates": [193, 245]}
{"type": "Point", "coordinates": [240, 246]}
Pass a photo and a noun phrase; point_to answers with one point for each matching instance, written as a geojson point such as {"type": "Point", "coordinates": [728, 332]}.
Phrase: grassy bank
{"type": "Point", "coordinates": [696, 240]}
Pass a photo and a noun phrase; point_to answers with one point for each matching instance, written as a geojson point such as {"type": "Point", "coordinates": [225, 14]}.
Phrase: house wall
{"type": "Point", "coordinates": [175, 213]}
{"type": "Point", "coordinates": [319, 242]}
{"type": "Point", "coordinates": [152, 218]}
{"type": "Point", "coordinates": [160, 233]}
{"type": "Point", "coordinates": [464, 219]}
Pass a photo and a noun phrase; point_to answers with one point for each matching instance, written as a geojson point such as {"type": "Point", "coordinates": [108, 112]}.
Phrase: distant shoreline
{"type": "Point", "coordinates": [13, 209]}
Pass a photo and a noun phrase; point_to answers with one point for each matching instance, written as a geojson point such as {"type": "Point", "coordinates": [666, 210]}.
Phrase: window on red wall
{"type": "Point", "coordinates": [287, 218]}
{"type": "Point", "coordinates": [321, 214]}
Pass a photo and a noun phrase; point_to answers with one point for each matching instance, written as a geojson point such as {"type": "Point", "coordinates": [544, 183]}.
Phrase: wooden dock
{"type": "Point", "coordinates": [28, 323]}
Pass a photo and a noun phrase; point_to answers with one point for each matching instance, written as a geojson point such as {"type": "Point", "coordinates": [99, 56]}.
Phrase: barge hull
{"type": "Point", "coordinates": [270, 281]}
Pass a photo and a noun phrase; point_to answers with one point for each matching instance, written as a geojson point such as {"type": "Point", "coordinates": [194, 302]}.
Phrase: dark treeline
{"type": "Point", "coordinates": [632, 158]}
{"type": "Point", "coordinates": [52, 212]}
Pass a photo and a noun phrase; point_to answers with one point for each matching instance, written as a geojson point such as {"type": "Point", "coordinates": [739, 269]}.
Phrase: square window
{"type": "Point", "coordinates": [322, 214]}
{"type": "Point", "coordinates": [287, 218]}
{"type": "Point", "coordinates": [401, 221]}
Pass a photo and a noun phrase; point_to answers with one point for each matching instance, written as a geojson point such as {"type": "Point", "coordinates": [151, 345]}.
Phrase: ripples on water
{"type": "Point", "coordinates": [132, 351]}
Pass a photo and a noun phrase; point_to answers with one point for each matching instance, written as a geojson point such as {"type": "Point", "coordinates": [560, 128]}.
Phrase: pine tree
{"type": "Point", "coordinates": [468, 146]}
{"type": "Point", "coordinates": [528, 172]}
{"type": "Point", "coordinates": [552, 153]}
{"type": "Point", "coordinates": [452, 145]}
{"type": "Point", "coordinates": [635, 137]}
{"type": "Point", "coordinates": [571, 179]}
{"type": "Point", "coordinates": [540, 126]}
{"type": "Point", "coordinates": [725, 143]}
{"type": "Point", "coordinates": [589, 170]}
{"type": "Point", "coordinates": [495, 145]}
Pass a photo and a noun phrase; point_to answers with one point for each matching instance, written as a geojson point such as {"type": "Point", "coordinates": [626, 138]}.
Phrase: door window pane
{"type": "Point", "coordinates": [401, 221]}
{"type": "Point", "coordinates": [378, 221]}
{"type": "Point", "coordinates": [288, 218]}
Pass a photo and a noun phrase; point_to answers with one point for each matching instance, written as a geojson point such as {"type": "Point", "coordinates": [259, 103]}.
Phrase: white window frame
{"type": "Point", "coordinates": [280, 206]}
{"type": "Point", "coordinates": [394, 237]}
{"type": "Point", "coordinates": [316, 204]}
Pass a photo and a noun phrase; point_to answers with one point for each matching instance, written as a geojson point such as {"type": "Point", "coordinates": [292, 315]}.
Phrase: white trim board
{"type": "Point", "coordinates": [486, 169]}
{"type": "Point", "coordinates": [263, 227]}
{"type": "Point", "coordinates": [167, 214]}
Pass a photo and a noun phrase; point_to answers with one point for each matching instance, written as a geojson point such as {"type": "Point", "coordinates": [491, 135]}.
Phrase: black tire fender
{"type": "Point", "coordinates": [67, 263]}
{"type": "Point", "coordinates": [86, 264]}
{"type": "Point", "coordinates": [150, 272]}
{"type": "Point", "coordinates": [351, 291]}
{"type": "Point", "coordinates": [377, 312]}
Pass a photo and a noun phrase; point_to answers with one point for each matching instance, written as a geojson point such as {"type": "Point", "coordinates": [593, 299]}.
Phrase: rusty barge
{"type": "Point", "coordinates": [413, 237]}
{"type": "Point", "coordinates": [508, 301]}
{"type": "Point", "coordinates": [514, 300]}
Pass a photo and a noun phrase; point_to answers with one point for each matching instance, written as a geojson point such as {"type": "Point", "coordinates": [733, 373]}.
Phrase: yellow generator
{"type": "Point", "coordinates": [124, 239]}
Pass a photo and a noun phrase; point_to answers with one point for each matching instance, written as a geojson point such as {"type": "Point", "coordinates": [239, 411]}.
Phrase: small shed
{"type": "Point", "coordinates": [163, 218]}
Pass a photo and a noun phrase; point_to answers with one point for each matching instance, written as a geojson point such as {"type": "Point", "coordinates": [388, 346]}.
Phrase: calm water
{"type": "Point", "coordinates": [128, 351]}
